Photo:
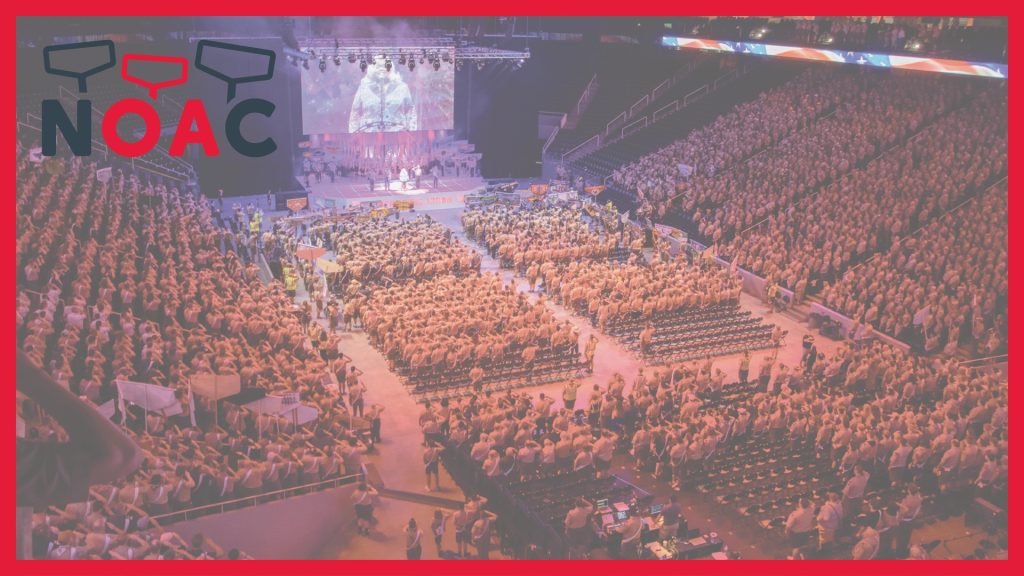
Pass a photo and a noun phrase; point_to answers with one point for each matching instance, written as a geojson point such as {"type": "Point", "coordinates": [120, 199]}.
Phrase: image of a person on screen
{"type": "Point", "coordinates": [382, 103]}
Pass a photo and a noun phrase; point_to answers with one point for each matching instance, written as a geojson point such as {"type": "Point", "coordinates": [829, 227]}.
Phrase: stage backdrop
{"type": "Point", "coordinates": [344, 100]}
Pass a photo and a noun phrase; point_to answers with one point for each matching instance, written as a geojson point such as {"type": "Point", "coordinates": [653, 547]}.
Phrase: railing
{"type": "Point", "coordinates": [588, 145]}
{"type": "Point", "coordinates": [987, 363]}
{"type": "Point", "coordinates": [724, 79]}
{"type": "Point", "coordinates": [647, 99]}
{"type": "Point", "coordinates": [550, 140]}
{"type": "Point", "coordinates": [661, 113]}
{"type": "Point", "coordinates": [254, 500]}
{"type": "Point", "coordinates": [634, 126]}
{"type": "Point", "coordinates": [664, 111]}
{"type": "Point", "coordinates": [639, 105]}
{"type": "Point", "coordinates": [615, 123]}
{"type": "Point", "coordinates": [583, 102]}
{"type": "Point", "coordinates": [695, 94]}
{"type": "Point", "coordinates": [660, 89]}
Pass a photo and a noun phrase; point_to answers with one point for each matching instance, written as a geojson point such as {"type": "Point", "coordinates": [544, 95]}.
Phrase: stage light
{"type": "Point", "coordinates": [412, 64]}
{"type": "Point", "coordinates": [458, 65]}
{"type": "Point", "coordinates": [352, 58]}
{"type": "Point", "coordinates": [387, 64]}
{"type": "Point", "coordinates": [337, 60]}
{"type": "Point", "coordinates": [445, 56]}
{"type": "Point", "coordinates": [401, 59]}
{"type": "Point", "coordinates": [362, 66]}
{"type": "Point", "coordinates": [323, 64]}
{"type": "Point", "coordinates": [480, 65]}
{"type": "Point", "coordinates": [437, 65]}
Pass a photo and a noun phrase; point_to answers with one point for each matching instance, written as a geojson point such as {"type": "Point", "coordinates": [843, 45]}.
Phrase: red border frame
{"type": "Point", "coordinates": [454, 7]}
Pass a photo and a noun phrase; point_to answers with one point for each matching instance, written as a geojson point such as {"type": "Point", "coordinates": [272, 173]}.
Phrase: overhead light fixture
{"type": "Point", "coordinates": [337, 60]}
{"type": "Point", "coordinates": [412, 64]}
{"type": "Point", "coordinates": [445, 56]}
{"type": "Point", "coordinates": [387, 64]}
{"type": "Point", "coordinates": [362, 66]}
{"type": "Point", "coordinates": [323, 65]}
{"type": "Point", "coordinates": [352, 58]}
{"type": "Point", "coordinates": [437, 65]}
{"type": "Point", "coordinates": [401, 59]}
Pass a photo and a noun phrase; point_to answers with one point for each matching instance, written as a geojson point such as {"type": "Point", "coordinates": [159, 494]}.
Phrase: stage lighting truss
{"type": "Point", "coordinates": [433, 52]}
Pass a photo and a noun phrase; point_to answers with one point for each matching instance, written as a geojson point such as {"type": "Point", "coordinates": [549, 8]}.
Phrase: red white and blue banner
{"type": "Point", "coordinates": [899, 61]}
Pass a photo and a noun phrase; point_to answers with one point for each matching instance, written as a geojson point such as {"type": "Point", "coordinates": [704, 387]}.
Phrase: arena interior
{"type": "Point", "coordinates": [512, 288]}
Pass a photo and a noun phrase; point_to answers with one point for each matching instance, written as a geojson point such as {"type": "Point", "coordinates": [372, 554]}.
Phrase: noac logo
{"type": "Point", "coordinates": [78, 134]}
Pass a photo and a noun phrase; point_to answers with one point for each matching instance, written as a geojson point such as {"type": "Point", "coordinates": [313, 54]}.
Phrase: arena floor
{"type": "Point", "coordinates": [398, 460]}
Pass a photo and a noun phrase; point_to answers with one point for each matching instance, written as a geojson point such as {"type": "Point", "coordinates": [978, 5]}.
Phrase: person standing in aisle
{"type": "Point", "coordinates": [413, 537]}
{"type": "Point", "coordinates": [437, 528]}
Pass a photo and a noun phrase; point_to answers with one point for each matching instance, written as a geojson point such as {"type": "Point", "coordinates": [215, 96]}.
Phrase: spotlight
{"type": "Point", "coordinates": [387, 64]}
{"type": "Point", "coordinates": [352, 58]}
{"type": "Point", "coordinates": [401, 59]}
{"type": "Point", "coordinates": [362, 66]}
{"type": "Point", "coordinates": [445, 56]}
{"type": "Point", "coordinates": [437, 65]}
{"type": "Point", "coordinates": [337, 60]}
{"type": "Point", "coordinates": [458, 65]}
{"type": "Point", "coordinates": [412, 64]}
{"type": "Point", "coordinates": [480, 65]}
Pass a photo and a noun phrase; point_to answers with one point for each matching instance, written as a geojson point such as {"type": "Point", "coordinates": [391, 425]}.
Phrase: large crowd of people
{"type": "Point", "coordinates": [884, 194]}
{"type": "Point", "coordinates": [815, 241]}
{"type": "Point", "coordinates": [527, 238]}
{"type": "Point", "coordinates": [128, 279]}
{"type": "Point", "coordinates": [953, 274]}
{"type": "Point", "coordinates": [375, 251]}
{"type": "Point", "coordinates": [735, 136]}
{"type": "Point", "coordinates": [872, 158]}
{"type": "Point", "coordinates": [899, 426]}
{"type": "Point", "coordinates": [449, 322]}
{"type": "Point", "coordinates": [609, 292]}
{"type": "Point", "coordinates": [876, 113]}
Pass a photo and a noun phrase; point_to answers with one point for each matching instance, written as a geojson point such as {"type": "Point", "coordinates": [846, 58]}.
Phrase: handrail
{"type": "Point", "coordinates": [627, 127]}
{"type": "Point", "coordinates": [584, 100]}
{"type": "Point", "coordinates": [664, 86]}
{"type": "Point", "coordinates": [569, 156]}
{"type": "Point", "coordinates": [639, 105]}
{"type": "Point", "coordinates": [657, 113]}
{"type": "Point", "coordinates": [695, 94]}
{"type": "Point", "coordinates": [550, 140]}
{"type": "Point", "coordinates": [724, 78]}
{"type": "Point", "coordinates": [219, 507]}
{"type": "Point", "coordinates": [998, 357]}
{"type": "Point", "coordinates": [620, 117]}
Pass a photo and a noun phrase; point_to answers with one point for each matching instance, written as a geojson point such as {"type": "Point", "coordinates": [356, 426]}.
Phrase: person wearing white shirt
{"type": "Point", "coordinates": [829, 519]}
{"type": "Point", "coordinates": [800, 523]}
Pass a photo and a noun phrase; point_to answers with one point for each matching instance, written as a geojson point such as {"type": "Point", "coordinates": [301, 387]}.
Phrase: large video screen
{"type": "Point", "coordinates": [342, 99]}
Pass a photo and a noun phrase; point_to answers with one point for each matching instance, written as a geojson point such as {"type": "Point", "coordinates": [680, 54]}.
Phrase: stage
{"type": "Point", "coordinates": [449, 193]}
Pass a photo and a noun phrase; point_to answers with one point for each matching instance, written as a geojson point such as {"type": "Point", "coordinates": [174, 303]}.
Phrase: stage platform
{"type": "Point", "coordinates": [449, 193]}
